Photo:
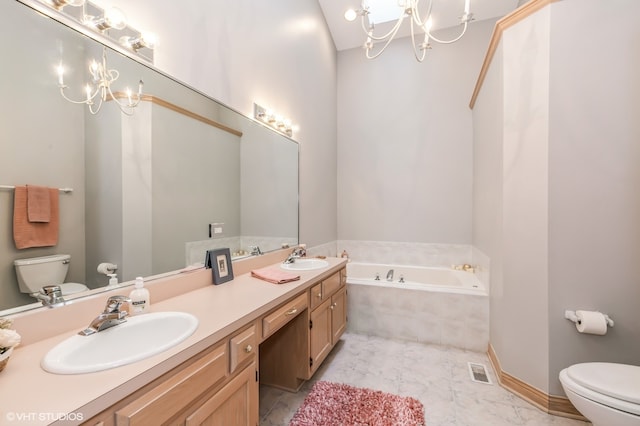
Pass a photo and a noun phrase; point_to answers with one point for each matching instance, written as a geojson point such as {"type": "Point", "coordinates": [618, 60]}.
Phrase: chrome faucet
{"type": "Point", "coordinates": [111, 316]}
{"type": "Point", "coordinates": [390, 275]}
{"type": "Point", "coordinates": [255, 251]}
{"type": "Point", "coordinates": [50, 295]}
{"type": "Point", "coordinates": [297, 253]}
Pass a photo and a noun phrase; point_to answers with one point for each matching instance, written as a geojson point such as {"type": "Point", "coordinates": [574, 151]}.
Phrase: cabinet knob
{"type": "Point", "coordinates": [291, 312]}
{"type": "Point", "coordinates": [248, 348]}
{"type": "Point", "coordinates": [320, 295]}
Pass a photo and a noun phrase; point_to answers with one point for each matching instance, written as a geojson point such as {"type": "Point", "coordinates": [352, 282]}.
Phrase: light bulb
{"type": "Point", "coordinates": [115, 18]}
{"type": "Point", "coordinates": [350, 15]}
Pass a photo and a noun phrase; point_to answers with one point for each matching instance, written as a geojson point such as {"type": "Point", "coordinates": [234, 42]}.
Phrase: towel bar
{"type": "Point", "coordinates": [10, 187]}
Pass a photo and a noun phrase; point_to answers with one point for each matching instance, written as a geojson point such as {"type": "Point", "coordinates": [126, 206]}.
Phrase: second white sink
{"type": "Point", "coordinates": [138, 338]}
{"type": "Point", "coordinates": [305, 264]}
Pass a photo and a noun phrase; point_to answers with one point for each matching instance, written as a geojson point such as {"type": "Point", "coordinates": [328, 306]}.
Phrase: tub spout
{"type": "Point", "coordinates": [390, 275]}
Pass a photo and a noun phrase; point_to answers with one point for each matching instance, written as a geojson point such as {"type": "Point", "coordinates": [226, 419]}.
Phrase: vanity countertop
{"type": "Point", "coordinates": [30, 395]}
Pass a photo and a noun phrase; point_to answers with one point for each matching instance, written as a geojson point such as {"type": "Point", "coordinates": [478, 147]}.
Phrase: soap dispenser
{"type": "Point", "coordinates": [140, 298]}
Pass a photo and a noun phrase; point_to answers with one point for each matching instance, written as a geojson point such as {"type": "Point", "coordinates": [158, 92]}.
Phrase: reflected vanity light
{"type": "Point", "coordinates": [270, 118]}
{"type": "Point", "coordinates": [110, 23]}
{"type": "Point", "coordinates": [99, 89]}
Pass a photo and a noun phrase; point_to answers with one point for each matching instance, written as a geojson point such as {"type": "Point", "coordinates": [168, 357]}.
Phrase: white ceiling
{"type": "Point", "coordinates": [347, 35]}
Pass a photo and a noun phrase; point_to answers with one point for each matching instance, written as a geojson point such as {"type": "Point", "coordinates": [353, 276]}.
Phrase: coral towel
{"type": "Point", "coordinates": [34, 234]}
{"type": "Point", "coordinates": [275, 276]}
{"type": "Point", "coordinates": [38, 204]}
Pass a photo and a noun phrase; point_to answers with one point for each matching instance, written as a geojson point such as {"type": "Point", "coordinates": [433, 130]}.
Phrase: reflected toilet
{"type": "Point", "coordinates": [606, 393]}
{"type": "Point", "coordinates": [37, 272]}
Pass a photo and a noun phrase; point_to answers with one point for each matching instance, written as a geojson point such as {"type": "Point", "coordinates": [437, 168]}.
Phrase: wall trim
{"type": "Point", "coordinates": [552, 404]}
{"type": "Point", "coordinates": [507, 21]}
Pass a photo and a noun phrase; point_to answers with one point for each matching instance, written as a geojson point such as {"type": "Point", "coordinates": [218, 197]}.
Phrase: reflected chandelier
{"type": "Point", "coordinates": [410, 10]}
{"type": "Point", "coordinates": [98, 90]}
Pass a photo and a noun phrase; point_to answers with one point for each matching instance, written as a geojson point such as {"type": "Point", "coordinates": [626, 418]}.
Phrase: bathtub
{"type": "Point", "coordinates": [445, 280]}
{"type": "Point", "coordinates": [433, 305]}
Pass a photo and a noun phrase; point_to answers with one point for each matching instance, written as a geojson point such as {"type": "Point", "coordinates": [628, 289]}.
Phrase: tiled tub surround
{"type": "Point", "coordinates": [450, 308]}
{"type": "Point", "coordinates": [406, 253]}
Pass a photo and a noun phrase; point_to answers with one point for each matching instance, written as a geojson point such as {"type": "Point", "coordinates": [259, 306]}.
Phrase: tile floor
{"type": "Point", "coordinates": [438, 376]}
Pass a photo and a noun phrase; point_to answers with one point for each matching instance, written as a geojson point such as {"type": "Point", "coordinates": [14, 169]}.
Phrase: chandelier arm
{"type": "Point", "coordinates": [389, 40]}
{"type": "Point", "coordinates": [369, 32]}
{"type": "Point", "coordinates": [416, 15]}
{"type": "Point", "coordinates": [419, 58]}
{"type": "Point", "coordinates": [84, 101]}
{"type": "Point", "coordinates": [464, 30]}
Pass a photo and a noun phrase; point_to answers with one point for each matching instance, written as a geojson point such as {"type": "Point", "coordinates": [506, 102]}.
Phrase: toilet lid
{"type": "Point", "coordinates": [71, 288]}
{"type": "Point", "coordinates": [618, 381]}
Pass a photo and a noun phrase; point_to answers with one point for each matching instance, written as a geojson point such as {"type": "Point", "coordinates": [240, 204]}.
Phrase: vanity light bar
{"type": "Point", "coordinates": [110, 23]}
{"type": "Point", "coordinates": [268, 117]}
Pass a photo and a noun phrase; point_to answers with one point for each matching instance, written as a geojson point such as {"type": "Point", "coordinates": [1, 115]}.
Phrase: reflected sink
{"type": "Point", "coordinates": [138, 338]}
{"type": "Point", "coordinates": [304, 264]}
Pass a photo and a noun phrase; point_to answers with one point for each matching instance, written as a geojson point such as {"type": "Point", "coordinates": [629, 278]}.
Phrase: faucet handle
{"type": "Point", "coordinates": [51, 290]}
{"type": "Point", "coordinates": [114, 303]}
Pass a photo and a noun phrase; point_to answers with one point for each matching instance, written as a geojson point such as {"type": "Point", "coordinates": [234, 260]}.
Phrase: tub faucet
{"type": "Point", "coordinates": [111, 316]}
{"type": "Point", "coordinates": [255, 251]}
{"type": "Point", "coordinates": [390, 275]}
{"type": "Point", "coordinates": [50, 295]}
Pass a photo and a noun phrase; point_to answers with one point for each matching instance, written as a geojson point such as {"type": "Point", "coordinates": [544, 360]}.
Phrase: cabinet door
{"type": "Point", "coordinates": [338, 314]}
{"type": "Point", "coordinates": [320, 334]}
{"type": "Point", "coordinates": [235, 404]}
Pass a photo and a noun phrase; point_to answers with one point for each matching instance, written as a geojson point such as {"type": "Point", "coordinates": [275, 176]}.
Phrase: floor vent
{"type": "Point", "coordinates": [478, 373]}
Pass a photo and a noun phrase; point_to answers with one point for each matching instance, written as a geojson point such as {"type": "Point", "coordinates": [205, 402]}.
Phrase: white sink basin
{"type": "Point", "coordinates": [138, 338]}
{"type": "Point", "coordinates": [304, 264]}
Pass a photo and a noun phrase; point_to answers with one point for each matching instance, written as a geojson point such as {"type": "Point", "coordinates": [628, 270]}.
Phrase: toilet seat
{"type": "Point", "coordinates": [72, 288]}
{"type": "Point", "coordinates": [614, 385]}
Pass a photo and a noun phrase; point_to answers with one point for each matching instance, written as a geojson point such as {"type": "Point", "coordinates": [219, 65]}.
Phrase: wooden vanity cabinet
{"type": "Point", "coordinates": [217, 387]}
{"type": "Point", "coordinates": [328, 318]}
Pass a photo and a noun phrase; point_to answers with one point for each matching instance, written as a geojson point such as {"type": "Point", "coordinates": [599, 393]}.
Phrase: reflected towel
{"type": "Point", "coordinates": [34, 234]}
{"type": "Point", "coordinates": [38, 204]}
{"type": "Point", "coordinates": [274, 275]}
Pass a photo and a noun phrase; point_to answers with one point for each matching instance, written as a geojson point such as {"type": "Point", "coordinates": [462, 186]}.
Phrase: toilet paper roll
{"type": "Point", "coordinates": [591, 322]}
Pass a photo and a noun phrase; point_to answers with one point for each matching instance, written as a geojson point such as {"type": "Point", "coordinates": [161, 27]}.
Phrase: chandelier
{"type": "Point", "coordinates": [98, 90]}
{"type": "Point", "coordinates": [420, 23]}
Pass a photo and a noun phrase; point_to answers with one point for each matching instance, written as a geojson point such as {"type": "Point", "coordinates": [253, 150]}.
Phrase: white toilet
{"type": "Point", "coordinates": [607, 394]}
{"type": "Point", "coordinates": [38, 272]}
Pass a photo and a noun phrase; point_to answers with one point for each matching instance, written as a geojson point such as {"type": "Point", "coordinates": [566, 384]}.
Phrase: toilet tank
{"type": "Point", "coordinates": [37, 272]}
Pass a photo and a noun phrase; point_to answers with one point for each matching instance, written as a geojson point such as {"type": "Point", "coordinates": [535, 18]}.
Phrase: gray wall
{"type": "Point", "coordinates": [195, 166]}
{"type": "Point", "coordinates": [405, 141]}
{"type": "Point", "coordinates": [555, 187]}
{"type": "Point", "coordinates": [594, 170]}
{"type": "Point", "coordinates": [277, 53]}
{"type": "Point", "coordinates": [42, 152]}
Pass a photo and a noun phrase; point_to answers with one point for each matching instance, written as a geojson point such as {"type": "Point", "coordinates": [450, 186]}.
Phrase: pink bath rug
{"type": "Point", "coordinates": [335, 404]}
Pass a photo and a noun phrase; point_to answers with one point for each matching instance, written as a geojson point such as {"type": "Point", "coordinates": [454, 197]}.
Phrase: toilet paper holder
{"type": "Point", "coordinates": [571, 316]}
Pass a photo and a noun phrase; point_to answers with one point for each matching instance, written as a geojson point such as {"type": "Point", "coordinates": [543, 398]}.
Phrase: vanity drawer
{"type": "Point", "coordinates": [272, 322]}
{"type": "Point", "coordinates": [331, 284]}
{"type": "Point", "coordinates": [316, 295]}
{"type": "Point", "coordinates": [242, 347]}
{"type": "Point", "coordinates": [169, 398]}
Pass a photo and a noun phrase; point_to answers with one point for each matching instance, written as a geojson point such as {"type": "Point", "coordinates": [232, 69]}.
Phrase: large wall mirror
{"type": "Point", "coordinates": [146, 187]}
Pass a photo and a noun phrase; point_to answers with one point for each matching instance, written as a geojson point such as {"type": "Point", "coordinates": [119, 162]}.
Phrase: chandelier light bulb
{"type": "Point", "coordinates": [350, 15]}
{"type": "Point", "coordinates": [60, 71]}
